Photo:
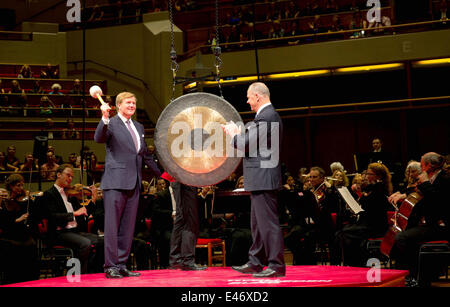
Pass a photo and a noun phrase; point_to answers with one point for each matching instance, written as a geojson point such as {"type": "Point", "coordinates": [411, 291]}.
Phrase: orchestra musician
{"type": "Point", "coordinates": [429, 219]}
{"type": "Point", "coordinates": [370, 223]}
{"type": "Point", "coordinates": [412, 173]}
{"type": "Point", "coordinates": [18, 248]}
{"type": "Point", "coordinates": [66, 216]}
{"type": "Point", "coordinates": [310, 222]}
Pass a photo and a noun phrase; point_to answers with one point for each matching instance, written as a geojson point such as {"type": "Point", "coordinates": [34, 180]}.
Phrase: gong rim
{"type": "Point", "coordinates": [177, 168]}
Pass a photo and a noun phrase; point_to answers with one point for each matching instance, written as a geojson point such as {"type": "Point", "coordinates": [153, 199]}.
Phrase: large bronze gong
{"type": "Point", "coordinates": [190, 142]}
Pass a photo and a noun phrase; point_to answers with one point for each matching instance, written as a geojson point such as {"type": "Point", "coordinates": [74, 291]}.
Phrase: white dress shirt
{"type": "Point", "coordinates": [69, 208]}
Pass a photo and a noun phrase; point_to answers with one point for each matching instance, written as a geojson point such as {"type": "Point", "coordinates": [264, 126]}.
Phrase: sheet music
{"type": "Point", "coordinates": [351, 202]}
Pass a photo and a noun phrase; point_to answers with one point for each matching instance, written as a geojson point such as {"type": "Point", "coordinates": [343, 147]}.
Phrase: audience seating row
{"type": "Point", "coordinates": [199, 36]}
{"type": "Point", "coordinates": [46, 84]}
{"type": "Point", "coordinates": [13, 70]}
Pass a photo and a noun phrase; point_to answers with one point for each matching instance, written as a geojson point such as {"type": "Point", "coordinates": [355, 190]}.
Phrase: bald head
{"type": "Point", "coordinates": [258, 94]}
{"type": "Point", "coordinates": [260, 88]}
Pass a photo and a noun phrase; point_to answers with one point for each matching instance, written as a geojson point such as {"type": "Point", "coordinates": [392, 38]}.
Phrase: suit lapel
{"type": "Point", "coordinates": [125, 131]}
{"type": "Point", "coordinates": [58, 198]}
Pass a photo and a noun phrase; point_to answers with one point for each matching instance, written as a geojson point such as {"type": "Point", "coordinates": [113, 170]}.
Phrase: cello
{"type": "Point", "coordinates": [400, 219]}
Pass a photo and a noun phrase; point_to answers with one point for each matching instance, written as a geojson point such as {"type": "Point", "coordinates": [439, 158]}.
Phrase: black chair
{"type": "Point", "coordinates": [53, 257]}
{"type": "Point", "coordinates": [434, 259]}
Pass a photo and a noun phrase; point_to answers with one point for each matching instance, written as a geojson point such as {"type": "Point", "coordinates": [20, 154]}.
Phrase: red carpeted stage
{"type": "Point", "coordinates": [296, 276]}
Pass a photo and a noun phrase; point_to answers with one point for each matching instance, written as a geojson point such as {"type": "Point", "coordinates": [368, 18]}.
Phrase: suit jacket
{"type": "Point", "coordinates": [56, 212]}
{"type": "Point", "coordinates": [122, 164]}
{"type": "Point", "coordinates": [262, 168]}
{"type": "Point", "coordinates": [434, 206]}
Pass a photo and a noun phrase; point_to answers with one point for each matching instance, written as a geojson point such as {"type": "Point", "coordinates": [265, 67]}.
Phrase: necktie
{"type": "Point", "coordinates": [133, 135]}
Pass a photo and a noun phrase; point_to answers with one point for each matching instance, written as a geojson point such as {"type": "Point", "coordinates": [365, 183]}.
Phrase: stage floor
{"type": "Point", "coordinates": [296, 276]}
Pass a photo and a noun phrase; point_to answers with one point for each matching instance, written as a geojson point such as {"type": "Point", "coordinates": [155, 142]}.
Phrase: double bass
{"type": "Point", "coordinates": [400, 219]}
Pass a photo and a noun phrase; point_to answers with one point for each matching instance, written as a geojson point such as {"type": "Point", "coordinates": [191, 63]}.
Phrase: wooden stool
{"type": "Point", "coordinates": [212, 244]}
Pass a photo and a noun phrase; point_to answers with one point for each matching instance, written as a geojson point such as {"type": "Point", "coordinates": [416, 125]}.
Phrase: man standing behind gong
{"type": "Point", "coordinates": [125, 150]}
{"type": "Point", "coordinates": [262, 177]}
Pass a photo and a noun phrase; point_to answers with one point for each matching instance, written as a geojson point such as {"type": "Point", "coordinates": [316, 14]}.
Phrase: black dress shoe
{"type": "Point", "coordinates": [269, 273]}
{"type": "Point", "coordinates": [113, 273]}
{"type": "Point", "coordinates": [192, 267]}
{"type": "Point", "coordinates": [127, 273]}
{"type": "Point", "coordinates": [246, 269]}
{"type": "Point", "coordinates": [175, 266]}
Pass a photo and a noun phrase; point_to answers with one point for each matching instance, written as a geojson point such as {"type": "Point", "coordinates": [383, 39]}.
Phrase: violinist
{"type": "Point", "coordinates": [310, 221]}
{"type": "Point", "coordinates": [370, 223]}
{"type": "Point", "coordinates": [326, 203]}
{"type": "Point", "coordinates": [429, 219]}
{"type": "Point", "coordinates": [18, 248]}
{"type": "Point", "coordinates": [65, 214]}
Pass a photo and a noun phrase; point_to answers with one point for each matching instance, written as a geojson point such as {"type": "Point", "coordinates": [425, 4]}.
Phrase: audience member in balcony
{"type": "Point", "coordinates": [30, 164]}
{"type": "Point", "coordinates": [70, 132]}
{"type": "Point", "coordinates": [336, 24]}
{"type": "Point", "coordinates": [97, 14]}
{"type": "Point", "coordinates": [73, 160]}
{"type": "Point", "coordinates": [48, 129]}
{"type": "Point", "coordinates": [358, 23]}
{"type": "Point", "coordinates": [15, 88]}
{"type": "Point", "coordinates": [314, 25]}
{"type": "Point", "coordinates": [235, 18]}
{"type": "Point", "coordinates": [25, 72]}
{"type": "Point", "coordinates": [48, 169]}
{"type": "Point", "coordinates": [18, 248]}
{"type": "Point", "coordinates": [291, 11]}
{"type": "Point", "coordinates": [56, 89]}
{"type": "Point", "coordinates": [293, 31]}
{"type": "Point", "coordinates": [3, 98]}
{"type": "Point", "coordinates": [59, 159]}
{"type": "Point", "coordinates": [76, 89]}
{"type": "Point", "coordinates": [46, 106]}
{"type": "Point", "coordinates": [37, 88]}
{"type": "Point", "coordinates": [247, 16]}
{"type": "Point", "coordinates": [12, 162]}
{"type": "Point", "coordinates": [276, 30]}
{"type": "Point", "coordinates": [49, 72]}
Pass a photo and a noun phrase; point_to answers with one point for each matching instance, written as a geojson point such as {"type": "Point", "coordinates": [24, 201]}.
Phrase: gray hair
{"type": "Point", "coordinates": [434, 159]}
{"type": "Point", "coordinates": [414, 165]}
{"type": "Point", "coordinates": [336, 166]}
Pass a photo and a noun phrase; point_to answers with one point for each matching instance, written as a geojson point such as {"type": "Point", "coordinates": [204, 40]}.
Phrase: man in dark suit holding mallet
{"type": "Point", "coordinates": [121, 181]}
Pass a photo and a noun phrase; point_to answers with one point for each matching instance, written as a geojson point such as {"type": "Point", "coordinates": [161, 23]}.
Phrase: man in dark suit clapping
{"type": "Point", "coordinates": [262, 177]}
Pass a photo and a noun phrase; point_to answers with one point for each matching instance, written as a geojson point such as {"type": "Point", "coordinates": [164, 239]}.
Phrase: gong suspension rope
{"type": "Point", "coordinates": [173, 54]}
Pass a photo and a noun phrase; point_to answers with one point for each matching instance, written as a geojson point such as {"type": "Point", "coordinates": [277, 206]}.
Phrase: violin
{"type": "Point", "coordinates": [82, 193]}
{"type": "Point", "coordinates": [319, 192]}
